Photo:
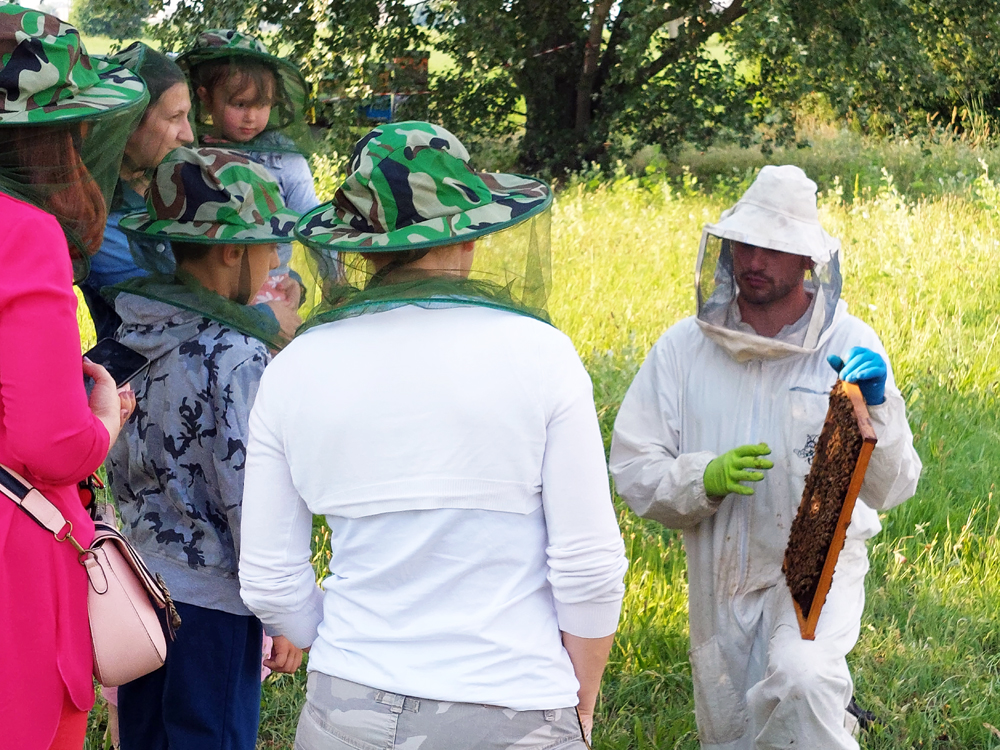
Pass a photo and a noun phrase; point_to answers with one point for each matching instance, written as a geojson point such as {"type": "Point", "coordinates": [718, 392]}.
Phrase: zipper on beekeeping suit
{"type": "Point", "coordinates": [745, 502]}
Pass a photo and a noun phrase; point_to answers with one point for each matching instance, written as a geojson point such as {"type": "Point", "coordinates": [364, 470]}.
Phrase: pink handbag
{"type": "Point", "coordinates": [130, 611]}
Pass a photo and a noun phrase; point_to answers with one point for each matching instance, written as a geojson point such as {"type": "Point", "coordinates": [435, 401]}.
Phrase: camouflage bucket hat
{"type": "Point", "coordinates": [47, 77]}
{"type": "Point", "coordinates": [132, 57]}
{"type": "Point", "coordinates": [409, 187]}
{"type": "Point", "coordinates": [227, 44]}
{"type": "Point", "coordinates": [212, 195]}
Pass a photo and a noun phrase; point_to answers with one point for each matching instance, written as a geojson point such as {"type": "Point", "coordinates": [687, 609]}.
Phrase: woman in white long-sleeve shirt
{"type": "Point", "coordinates": [447, 432]}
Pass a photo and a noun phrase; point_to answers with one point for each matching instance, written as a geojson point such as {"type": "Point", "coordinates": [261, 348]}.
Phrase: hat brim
{"type": "Point", "coordinates": [201, 55]}
{"type": "Point", "coordinates": [280, 229]}
{"type": "Point", "coordinates": [514, 199]}
{"type": "Point", "coordinates": [754, 225]}
{"type": "Point", "coordinates": [117, 90]}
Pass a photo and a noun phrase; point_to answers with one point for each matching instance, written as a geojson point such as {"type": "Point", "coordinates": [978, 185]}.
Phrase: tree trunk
{"type": "Point", "coordinates": [585, 88]}
{"type": "Point", "coordinates": [548, 79]}
{"type": "Point", "coordinates": [550, 138]}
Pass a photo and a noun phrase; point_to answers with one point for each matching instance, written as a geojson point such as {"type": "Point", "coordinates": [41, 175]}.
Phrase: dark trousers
{"type": "Point", "coordinates": [207, 694]}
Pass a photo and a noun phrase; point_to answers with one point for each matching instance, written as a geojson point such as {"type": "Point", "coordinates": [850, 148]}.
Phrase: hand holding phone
{"type": "Point", "coordinates": [109, 403]}
{"type": "Point", "coordinates": [112, 402]}
{"type": "Point", "coordinates": [120, 361]}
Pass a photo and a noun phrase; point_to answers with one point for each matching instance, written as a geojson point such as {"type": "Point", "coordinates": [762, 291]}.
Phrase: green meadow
{"type": "Point", "coordinates": [919, 226]}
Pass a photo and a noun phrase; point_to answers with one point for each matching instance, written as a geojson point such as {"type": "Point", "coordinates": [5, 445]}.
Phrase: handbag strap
{"type": "Point", "coordinates": [41, 510]}
{"type": "Point", "coordinates": [37, 507]}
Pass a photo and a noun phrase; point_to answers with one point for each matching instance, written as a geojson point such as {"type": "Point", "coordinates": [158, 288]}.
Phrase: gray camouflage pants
{"type": "Point", "coordinates": [342, 715]}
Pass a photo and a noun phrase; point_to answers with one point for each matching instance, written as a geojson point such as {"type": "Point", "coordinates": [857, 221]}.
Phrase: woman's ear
{"type": "Point", "coordinates": [203, 96]}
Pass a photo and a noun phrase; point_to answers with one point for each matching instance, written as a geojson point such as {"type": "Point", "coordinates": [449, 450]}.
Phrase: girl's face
{"type": "Point", "coordinates": [164, 127]}
{"type": "Point", "coordinates": [239, 110]}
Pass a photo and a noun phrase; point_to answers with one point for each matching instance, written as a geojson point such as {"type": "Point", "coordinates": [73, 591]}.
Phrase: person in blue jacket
{"type": "Point", "coordinates": [164, 126]}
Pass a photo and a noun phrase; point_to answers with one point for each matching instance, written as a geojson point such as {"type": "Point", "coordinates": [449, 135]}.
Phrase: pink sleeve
{"type": "Point", "coordinates": [49, 427]}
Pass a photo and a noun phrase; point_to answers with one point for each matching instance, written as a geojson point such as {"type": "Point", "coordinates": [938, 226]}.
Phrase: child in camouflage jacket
{"type": "Point", "coordinates": [177, 471]}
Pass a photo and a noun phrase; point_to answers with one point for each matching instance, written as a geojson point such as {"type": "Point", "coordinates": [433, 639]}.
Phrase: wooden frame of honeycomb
{"type": "Point", "coordinates": [831, 491]}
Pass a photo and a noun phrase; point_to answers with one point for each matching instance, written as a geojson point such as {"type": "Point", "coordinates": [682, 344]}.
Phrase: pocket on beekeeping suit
{"type": "Point", "coordinates": [807, 406]}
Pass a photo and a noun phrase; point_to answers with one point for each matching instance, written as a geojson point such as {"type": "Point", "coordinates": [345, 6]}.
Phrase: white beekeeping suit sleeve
{"type": "Point", "coordinates": [651, 474]}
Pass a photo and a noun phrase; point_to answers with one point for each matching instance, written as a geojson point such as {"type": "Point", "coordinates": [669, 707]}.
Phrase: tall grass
{"type": "Point", "coordinates": [922, 270]}
{"type": "Point", "coordinates": [942, 161]}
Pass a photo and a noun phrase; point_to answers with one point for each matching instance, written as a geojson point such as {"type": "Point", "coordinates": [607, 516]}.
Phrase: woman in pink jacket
{"type": "Point", "coordinates": [57, 142]}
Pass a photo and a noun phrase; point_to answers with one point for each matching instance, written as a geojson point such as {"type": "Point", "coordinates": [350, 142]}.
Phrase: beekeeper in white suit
{"type": "Point", "coordinates": [715, 437]}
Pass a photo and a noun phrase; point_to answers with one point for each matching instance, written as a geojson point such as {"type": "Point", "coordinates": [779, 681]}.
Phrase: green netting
{"type": "Point", "coordinates": [214, 67]}
{"type": "Point", "coordinates": [185, 292]}
{"type": "Point", "coordinates": [511, 270]}
{"type": "Point", "coordinates": [150, 144]}
{"type": "Point", "coordinates": [70, 170]}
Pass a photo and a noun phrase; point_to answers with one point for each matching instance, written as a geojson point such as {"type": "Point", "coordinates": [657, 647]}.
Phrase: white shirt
{"type": "Point", "coordinates": [457, 458]}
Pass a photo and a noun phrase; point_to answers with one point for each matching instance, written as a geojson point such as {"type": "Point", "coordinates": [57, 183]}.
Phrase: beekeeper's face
{"type": "Point", "coordinates": [765, 276]}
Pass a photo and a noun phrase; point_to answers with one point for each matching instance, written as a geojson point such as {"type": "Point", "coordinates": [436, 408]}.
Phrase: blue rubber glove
{"type": "Point", "coordinates": [724, 473]}
{"type": "Point", "coordinates": [866, 368]}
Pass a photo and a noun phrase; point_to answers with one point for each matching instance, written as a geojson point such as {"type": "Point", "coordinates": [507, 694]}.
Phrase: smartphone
{"type": "Point", "coordinates": [121, 362]}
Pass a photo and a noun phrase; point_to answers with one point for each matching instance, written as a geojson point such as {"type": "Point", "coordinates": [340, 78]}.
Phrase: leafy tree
{"type": "Point", "coordinates": [588, 73]}
{"type": "Point", "coordinates": [883, 64]}
{"type": "Point", "coordinates": [589, 79]}
{"type": "Point", "coordinates": [100, 18]}
{"type": "Point", "coordinates": [290, 23]}
{"type": "Point", "coordinates": [635, 71]}
{"type": "Point", "coordinates": [592, 74]}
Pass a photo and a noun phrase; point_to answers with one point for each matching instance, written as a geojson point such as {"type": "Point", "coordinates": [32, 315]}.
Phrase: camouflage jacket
{"type": "Point", "coordinates": [176, 471]}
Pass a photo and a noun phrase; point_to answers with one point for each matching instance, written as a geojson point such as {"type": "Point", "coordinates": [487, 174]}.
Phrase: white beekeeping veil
{"type": "Point", "coordinates": [778, 212]}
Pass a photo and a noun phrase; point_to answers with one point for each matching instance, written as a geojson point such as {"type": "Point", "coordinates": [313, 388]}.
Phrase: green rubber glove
{"type": "Point", "coordinates": [724, 473]}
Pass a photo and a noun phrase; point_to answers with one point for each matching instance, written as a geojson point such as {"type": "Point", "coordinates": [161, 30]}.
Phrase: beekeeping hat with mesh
{"type": "Point", "coordinates": [777, 212]}
{"type": "Point", "coordinates": [410, 189]}
{"type": "Point", "coordinates": [209, 196]}
{"type": "Point", "coordinates": [64, 120]}
{"type": "Point", "coordinates": [229, 62]}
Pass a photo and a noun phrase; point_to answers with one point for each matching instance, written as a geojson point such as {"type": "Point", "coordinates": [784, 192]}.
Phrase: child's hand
{"type": "Point", "coordinates": [288, 319]}
{"type": "Point", "coordinates": [290, 289]}
{"type": "Point", "coordinates": [285, 656]}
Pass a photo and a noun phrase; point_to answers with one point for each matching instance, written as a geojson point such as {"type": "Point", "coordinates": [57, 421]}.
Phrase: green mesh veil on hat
{"type": "Point", "coordinates": [410, 189]}
{"type": "Point", "coordinates": [208, 196]}
{"type": "Point", "coordinates": [65, 118]}
{"type": "Point", "coordinates": [160, 74]}
{"type": "Point", "coordinates": [220, 53]}
{"type": "Point", "coordinates": [185, 292]}
{"type": "Point", "coordinates": [156, 69]}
